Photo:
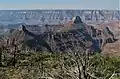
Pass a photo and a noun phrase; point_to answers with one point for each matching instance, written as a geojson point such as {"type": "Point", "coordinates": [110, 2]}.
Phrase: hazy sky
{"type": "Point", "coordinates": [60, 4]}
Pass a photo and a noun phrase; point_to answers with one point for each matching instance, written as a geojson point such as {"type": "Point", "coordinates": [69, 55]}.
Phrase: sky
{"type": "Point", "coordinates": [60, 4]}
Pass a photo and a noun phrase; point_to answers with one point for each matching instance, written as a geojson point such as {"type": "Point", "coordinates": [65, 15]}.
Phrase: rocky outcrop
{"type": "Point", "coordinates": [112, 49]}
{"type": "Point", "coordinates": [114, 27]}
{"type": "Point", "coordinates": [77, 20]}
{"type": "Point", "coordinates": [37, 40]}
{"type": "Point", "coordinates": [78, 35]}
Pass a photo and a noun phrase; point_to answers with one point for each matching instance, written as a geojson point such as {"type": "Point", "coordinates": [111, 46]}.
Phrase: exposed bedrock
{"type": "Point", "coordinates": [79, 35]}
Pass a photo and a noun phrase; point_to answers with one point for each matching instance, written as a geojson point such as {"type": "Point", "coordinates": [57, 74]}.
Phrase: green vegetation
{"type": "Point", "coordinates": [60, 66]}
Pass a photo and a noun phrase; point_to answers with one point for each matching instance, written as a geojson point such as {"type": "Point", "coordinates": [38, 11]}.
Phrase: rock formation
{"type": "Point", "coordinates": [37, 40]}
{"type": "Point", "coordinates": [77, 20]}
{"type": "Point", "coordinates": [78, 35]}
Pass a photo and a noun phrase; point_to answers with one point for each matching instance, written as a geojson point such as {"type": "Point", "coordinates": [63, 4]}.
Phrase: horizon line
{"type": "Point", "coordinates": [61, 9]}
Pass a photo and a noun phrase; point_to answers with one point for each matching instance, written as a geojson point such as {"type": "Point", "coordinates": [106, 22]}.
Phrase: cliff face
{"type": "Point", "coordinates": [45, 16]}
{"type": "Point", "coordinates": [77, 34]}
{"type": "Point", "coordinates": [66, 38]}
{"type": "Point", "coordinates": [11, 19]}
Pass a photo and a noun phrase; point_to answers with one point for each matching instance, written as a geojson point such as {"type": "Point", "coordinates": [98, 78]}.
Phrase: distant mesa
{"type": "Point", "coordinates": [77, 20]}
